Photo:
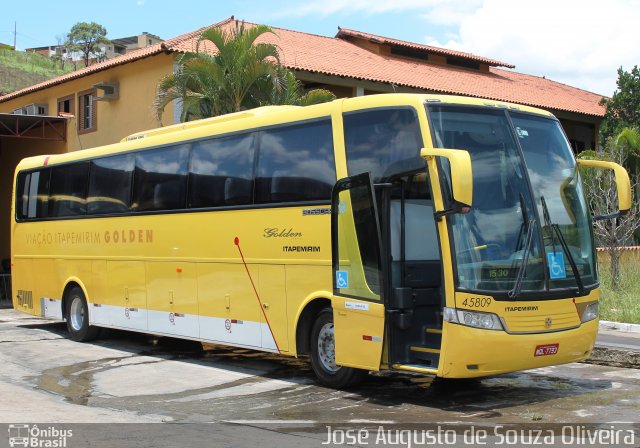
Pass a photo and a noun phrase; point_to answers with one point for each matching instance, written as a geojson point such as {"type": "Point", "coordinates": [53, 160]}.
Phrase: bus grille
{"type": "Point", "coordinates": [25, 299]}
{"type": "Point", "coordinates": [540, 323]}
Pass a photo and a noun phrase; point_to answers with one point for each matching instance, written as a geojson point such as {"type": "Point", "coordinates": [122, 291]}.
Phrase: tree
{"type": "Point", "coordinates": [86, 38]}
{"type": "Point", "coordinates": [288, 90]}
{"type": "Point", "coordinates": [623, 108]}
{"type": "Point", "coordinates": [600, 189]}
{"type": "Point", "coordinates": [58, 56]}
{"type": "Point", "coordinates": [242, 74]}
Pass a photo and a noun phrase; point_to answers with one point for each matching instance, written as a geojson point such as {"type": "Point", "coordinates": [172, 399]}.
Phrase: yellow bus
{"type": "Point", "coordinates": [433, 234]}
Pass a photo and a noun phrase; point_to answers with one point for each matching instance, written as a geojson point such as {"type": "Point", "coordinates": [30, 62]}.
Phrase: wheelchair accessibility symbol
{"type": "Point", "coordinates": [556, 265]}
{"type": "Point", "coordinates": [342, 279]}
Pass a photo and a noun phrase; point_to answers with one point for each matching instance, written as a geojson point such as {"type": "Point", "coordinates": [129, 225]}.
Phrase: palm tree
{"type": "Point", "coordinates": [241, 75]}
{"type": "Point", "coordinates": [288, 90]}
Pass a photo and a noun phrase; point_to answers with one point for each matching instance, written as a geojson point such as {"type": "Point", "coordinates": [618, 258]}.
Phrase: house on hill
{"type": "Point", "coordinates": [104, 102]}
{"type": "Point", "coordinates": [114, 48]}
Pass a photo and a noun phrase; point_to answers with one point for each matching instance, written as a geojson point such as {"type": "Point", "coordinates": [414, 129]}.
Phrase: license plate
{"type": "Point", "coordinates": [546, 350]}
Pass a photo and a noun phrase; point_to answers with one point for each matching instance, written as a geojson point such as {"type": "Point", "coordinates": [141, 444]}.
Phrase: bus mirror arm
{"type": "Point", "coordinates": [457, 207]}
{"type": "Point", "coordinates": [614, 215]}
{"type": "Point", "coordinates": [461, 176]}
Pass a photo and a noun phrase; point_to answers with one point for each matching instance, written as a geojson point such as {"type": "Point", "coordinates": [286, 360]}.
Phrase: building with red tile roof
{"type": "Point", "coordinates": [84, 113]}
{"type": "Point", "coordinates": [360, 56]}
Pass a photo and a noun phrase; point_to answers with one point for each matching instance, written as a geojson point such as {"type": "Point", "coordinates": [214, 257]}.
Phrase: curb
{"type": "Point", "coordinates": [619, 326]}
{"type": "Point", "coordinates": [612, 357]}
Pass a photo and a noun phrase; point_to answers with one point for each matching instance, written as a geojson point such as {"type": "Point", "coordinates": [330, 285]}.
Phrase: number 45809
{"type": "Point", "coordinates": [477, 302]}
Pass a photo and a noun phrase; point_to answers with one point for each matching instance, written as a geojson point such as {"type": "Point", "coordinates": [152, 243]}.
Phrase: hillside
{"type": "Point", "coordinates": [19, 69]}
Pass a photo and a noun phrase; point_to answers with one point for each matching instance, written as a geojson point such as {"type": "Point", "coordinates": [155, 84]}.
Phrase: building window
{"type": "Point", "coordinates": [464, 63]}
{"type": "Point", "coordinates": [410, 53]}
{"type": "Point", "coordinates": [66, 105]}
{"type": "Point", "coordinates": [87, 111]}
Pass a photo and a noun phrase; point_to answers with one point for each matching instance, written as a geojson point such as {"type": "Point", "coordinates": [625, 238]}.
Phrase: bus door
{"type": "Point", "coordinates": [415, 299]}
{"type": "Point", "coordinates": [358, 274]}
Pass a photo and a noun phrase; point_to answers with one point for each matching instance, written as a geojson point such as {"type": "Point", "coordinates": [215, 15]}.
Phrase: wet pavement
{"type": "Point", "coordinates": [128, 377]}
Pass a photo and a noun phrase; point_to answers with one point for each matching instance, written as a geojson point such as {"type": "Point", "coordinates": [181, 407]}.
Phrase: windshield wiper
{"type": "Point", "coordinates": [555, 228]}
{"type": "Point", "coordinates": [513, 293]}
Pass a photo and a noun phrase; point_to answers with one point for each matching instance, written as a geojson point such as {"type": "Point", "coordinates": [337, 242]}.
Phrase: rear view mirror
{"type": "Point", "coordinates": [461, 174]}
{"type": "Point", "coordinates": [623, 185]}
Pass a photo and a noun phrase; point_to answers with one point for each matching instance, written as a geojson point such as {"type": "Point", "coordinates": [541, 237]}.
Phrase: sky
{"type": "Point", "coordinates": [577, 42]}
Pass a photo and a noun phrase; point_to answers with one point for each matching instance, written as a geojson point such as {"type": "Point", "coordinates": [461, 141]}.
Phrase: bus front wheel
{"type": "Point", "coordinates": [323, 358]}
{"type": "Point", "coordinates": [77, 316]}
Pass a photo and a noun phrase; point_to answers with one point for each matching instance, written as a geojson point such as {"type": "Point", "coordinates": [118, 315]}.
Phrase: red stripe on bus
{"type": "Point", "coordinates": [236, 241]}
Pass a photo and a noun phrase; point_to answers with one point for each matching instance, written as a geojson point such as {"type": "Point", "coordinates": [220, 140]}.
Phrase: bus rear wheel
{"type": "Point", "coordinates": [323, 358]}
{"type": "Point", "coordinates": [77, 317]}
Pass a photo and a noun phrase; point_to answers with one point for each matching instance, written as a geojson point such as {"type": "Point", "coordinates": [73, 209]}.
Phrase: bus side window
{"type": "Point", "coordinates": [22, 195]}
{"type": "Point", "coordinates": [160, 180]}
{"type": "Point", "coordinates": [384, 142]}
{"type": "Point", "coordinates": [221, 172]}
{"type": "Point", "coordinates": [68, 190]}
{"type": "Point", "coordinates": [296, 163]}
{"type": "Point", "coordinates": [32, 195]}
{"type": "Point", "coordinates": [110, 184]}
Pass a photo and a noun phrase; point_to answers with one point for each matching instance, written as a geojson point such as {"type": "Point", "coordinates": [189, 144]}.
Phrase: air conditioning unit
{"type": "Point", "coordinates": [32, 109]}
{"type": "Point", "coordinates": [110, 91]}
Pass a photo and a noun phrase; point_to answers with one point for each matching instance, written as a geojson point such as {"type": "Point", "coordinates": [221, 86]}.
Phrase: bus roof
{"type": "Point", "coordinates": [260, 116]}
{"type": "Point", "coordinates": [208, 121]}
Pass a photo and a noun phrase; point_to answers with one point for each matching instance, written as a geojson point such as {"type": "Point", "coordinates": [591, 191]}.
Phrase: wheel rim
{"type": "Point", "coordinates": [327, 348]}
{"type": "Point", "coordinates": [76, 314]}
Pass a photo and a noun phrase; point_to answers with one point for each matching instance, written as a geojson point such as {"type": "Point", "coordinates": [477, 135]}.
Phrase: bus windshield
{"type": "Point", "coordinates": [529, 229]}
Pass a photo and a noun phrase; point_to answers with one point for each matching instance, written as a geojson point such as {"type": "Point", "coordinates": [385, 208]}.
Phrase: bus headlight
{"type": "Point", "coordinates": [590, 312]}
{"type": "Point", "coordinates": [476, 319]}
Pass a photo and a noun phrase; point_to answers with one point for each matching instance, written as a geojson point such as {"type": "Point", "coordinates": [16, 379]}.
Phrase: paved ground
{"type": "Point", "coordinates": [255, 398]}
{"type": "Point", "coordinates": [619, 339]}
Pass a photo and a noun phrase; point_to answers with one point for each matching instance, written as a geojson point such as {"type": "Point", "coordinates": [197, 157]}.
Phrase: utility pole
{"type": "Point", "coordinates": [15, 33]}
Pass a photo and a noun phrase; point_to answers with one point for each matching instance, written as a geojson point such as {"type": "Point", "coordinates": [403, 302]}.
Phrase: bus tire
{"type": "Point", "coordinates": [77, 317]}
{"type": "Point", "coordinates": [323, 355]}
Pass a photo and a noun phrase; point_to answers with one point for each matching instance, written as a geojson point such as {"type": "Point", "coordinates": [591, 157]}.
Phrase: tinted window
{"type": "Point", "coordinates": [110, 184]}
{"type": "Point", "coordinates": [160, 181]}
{"type": "Point", "coordinates": [68, 190]}
{"type": "Point", "coordinates": [221, 172]}
{"type": "Point", "coordinates": [384, 142]}
{"type": "Point", "coordinates": [296, 164]}
{"type": "Point", "coordinates": [32, 194]}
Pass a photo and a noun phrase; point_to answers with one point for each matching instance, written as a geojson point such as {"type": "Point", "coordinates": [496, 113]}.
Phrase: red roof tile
{"type": "Point", "coordinates": [344, 33]}
{"type": "Point", "coordinates": [338, 57]}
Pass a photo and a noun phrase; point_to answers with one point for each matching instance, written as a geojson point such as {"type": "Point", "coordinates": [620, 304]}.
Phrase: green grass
{"type": "Point", "coordinates": [19, 69]}
{"type": "Point", "coordinates": [622, 305]}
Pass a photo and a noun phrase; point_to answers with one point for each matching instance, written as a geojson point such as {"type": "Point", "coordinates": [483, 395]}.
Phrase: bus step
{"type": "Point", "coordinates": [425, 356]}
{"type": "Point", "coordinates": [434, 330]}
{"type": "Point", "coordinates": [424, 349]}
{"type": "Point", "coordinates": [419, 368]}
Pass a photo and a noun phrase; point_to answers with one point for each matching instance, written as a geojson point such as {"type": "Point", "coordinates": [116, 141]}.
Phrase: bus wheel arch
{"type": "Point", "coordinates": [75, 309]}
{"type": "Point", "coordinates": [305, 323]}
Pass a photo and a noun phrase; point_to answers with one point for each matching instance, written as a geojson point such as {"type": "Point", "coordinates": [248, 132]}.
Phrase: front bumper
{"type": "Point", "coordinates": [470, 352]}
